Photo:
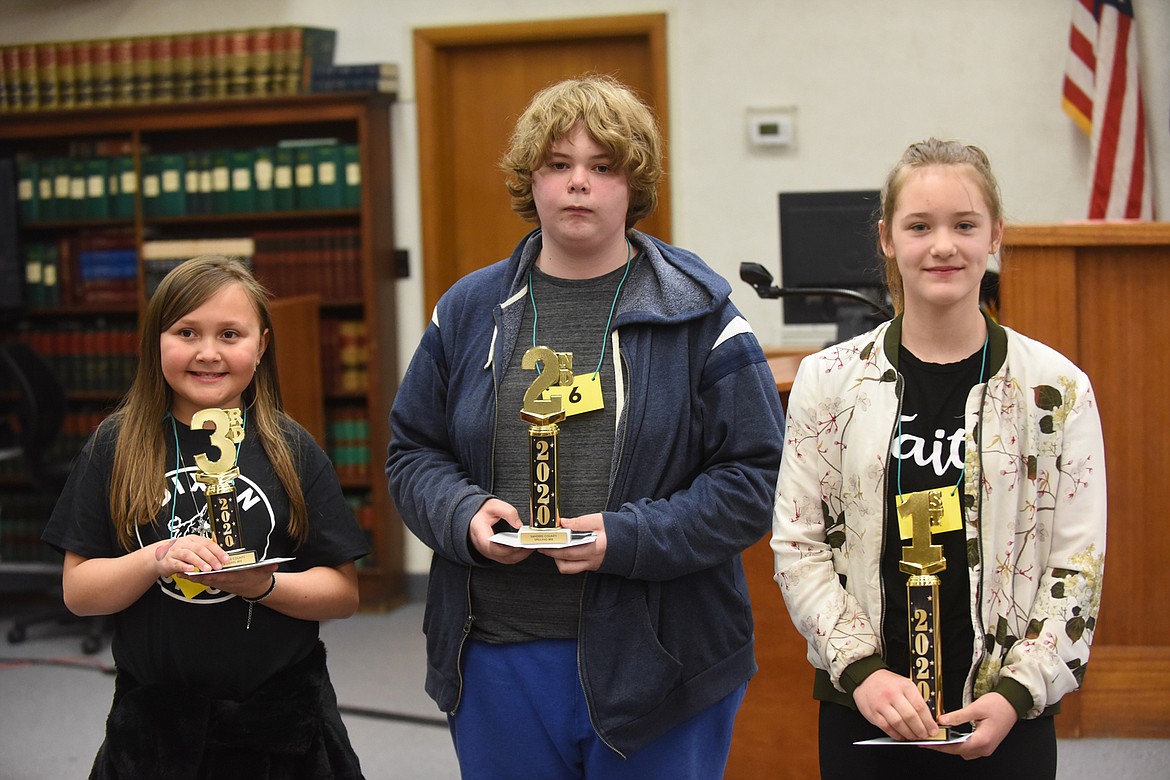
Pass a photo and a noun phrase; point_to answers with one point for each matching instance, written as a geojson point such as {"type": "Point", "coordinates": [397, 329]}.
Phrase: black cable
{"type": "Point", "coordinates": [418, 720]}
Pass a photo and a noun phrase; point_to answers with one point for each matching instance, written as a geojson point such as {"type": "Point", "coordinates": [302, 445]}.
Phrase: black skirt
{"type": "Point", "coordinates": [289, 728]}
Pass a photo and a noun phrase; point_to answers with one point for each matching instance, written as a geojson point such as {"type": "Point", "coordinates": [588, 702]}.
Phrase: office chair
{"type": "Point", "coordinates": [39, 412]}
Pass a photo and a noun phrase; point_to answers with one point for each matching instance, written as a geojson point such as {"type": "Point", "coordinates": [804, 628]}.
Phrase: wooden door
{"type": "Point", "coordinates": [472, 84]}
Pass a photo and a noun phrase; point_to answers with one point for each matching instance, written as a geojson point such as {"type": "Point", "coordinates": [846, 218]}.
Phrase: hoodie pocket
{"type": "Point", "coordinates": [626, 671]}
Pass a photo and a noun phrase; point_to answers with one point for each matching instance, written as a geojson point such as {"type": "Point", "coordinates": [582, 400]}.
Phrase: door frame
{"type": "Point", "coordinates": [433, 46]}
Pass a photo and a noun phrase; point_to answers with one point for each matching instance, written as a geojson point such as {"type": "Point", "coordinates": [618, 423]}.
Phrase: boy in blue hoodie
{"type": "Point", "coordinates": [627, 656]}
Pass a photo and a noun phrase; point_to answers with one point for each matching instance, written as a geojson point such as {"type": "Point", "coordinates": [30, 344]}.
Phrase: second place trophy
{"type": "Point", "coordinates": [544, 528]}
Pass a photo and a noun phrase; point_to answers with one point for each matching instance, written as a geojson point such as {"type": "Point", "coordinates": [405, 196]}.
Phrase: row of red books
{"type": "Point", "coordinates": [101, 360]}
{"type": "Point", "coordinates": [322, 261]}
{"type": "Point", "coordinates": [104, 360]}
{"type": "Point", "coordinates": [209, 65]}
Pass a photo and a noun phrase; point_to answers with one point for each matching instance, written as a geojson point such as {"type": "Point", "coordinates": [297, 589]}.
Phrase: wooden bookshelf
{"type": "Point", "coordinates": [356, 119]}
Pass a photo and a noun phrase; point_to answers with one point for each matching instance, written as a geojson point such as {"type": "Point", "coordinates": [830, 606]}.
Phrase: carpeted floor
{"type": "Point", "coordinates": [54, 700]}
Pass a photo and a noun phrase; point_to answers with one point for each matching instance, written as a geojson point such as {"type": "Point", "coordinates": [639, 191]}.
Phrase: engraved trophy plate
{"type": "Point", "coordinates": [922, 560]}
{"type": "Point", "coordinates": [219, 475]}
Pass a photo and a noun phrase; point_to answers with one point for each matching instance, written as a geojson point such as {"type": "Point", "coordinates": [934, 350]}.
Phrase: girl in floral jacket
{"type": "Point", "coordinates": [942, 399]}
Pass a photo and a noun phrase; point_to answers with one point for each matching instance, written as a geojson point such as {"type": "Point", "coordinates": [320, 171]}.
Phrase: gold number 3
{"type": "Point", "coordinates": [227, 432]}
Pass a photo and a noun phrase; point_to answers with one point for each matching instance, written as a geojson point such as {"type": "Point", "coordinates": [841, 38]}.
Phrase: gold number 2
{"type": "Point", "coordinates": [548, 377]}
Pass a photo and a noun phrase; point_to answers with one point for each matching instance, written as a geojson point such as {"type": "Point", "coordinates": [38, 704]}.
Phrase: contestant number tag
{"type": "Point", "coordinates": [584, 395]}
{"type": "Point", "coordinates": [951, 518]}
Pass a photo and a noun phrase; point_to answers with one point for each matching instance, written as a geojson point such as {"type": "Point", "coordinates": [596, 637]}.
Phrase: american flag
{"type": "Point", "coordinates": [1103, 96]}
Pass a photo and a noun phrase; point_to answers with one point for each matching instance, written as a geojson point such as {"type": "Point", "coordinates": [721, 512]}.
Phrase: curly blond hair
{"type": "Point", "coordinates": [612, 114]}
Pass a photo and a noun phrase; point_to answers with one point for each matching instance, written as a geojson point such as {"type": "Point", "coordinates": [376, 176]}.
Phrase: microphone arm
{"type": "Point", "coordinates": [761, 281]}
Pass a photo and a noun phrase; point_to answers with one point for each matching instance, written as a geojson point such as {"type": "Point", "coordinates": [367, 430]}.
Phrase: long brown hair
{"type": "Point", "coordinates": [138, 482]}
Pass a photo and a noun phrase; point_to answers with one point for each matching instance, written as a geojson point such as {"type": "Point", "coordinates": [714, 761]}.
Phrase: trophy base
{"type": "Point", "coordinates": [946, 736]}
{"type": "Point", "coordinates": [530, 535]}
{"type": "Point", "coordinates": [512, 539]}
{"type": "Point", "coordinates": [240, 558]}
{"type": "Point", "coordinates": [255, 564]}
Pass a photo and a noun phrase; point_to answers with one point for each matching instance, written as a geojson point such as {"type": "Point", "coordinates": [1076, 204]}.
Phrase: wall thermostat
{"type": "Point", "coordinates": [772, 128]}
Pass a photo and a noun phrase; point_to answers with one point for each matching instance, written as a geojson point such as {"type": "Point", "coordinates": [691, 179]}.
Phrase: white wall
{"type": "Point", "coordinates": [866, 78]}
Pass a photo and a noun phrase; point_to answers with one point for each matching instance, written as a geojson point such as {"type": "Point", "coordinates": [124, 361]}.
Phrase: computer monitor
{"type": "Point", "coordinates": [827, 239]}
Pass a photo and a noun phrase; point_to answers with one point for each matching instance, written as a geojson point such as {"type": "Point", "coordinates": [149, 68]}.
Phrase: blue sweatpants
{"type": "Point", "coordinates": [523, 715]}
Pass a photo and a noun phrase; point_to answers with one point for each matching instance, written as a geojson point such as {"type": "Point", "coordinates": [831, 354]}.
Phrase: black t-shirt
{"type": "Point", "coordinates": [928, 453]}
{"type": "Point", "coordinates": [202, 642]}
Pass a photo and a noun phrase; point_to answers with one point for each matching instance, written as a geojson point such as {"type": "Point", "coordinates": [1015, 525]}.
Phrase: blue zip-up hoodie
{"type": "Point", "coordinates": [666, 623]}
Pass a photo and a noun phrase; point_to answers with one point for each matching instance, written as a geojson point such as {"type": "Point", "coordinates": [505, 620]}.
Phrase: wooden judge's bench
{"type": "Point", "coordinates": [1100, 294]}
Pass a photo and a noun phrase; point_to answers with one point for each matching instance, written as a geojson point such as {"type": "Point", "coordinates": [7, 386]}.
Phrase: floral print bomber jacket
{"type": "Point", "coordinates": [1034, 514]}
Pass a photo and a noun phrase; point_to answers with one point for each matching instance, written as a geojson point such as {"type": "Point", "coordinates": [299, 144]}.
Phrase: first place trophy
{"type": "Point", "coordinates": [922, 561]}
{"type": "Point", "coordinates": [219, 476]}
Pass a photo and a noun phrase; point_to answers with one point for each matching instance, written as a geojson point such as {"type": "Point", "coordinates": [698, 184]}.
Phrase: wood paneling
{"type": "Point", "coordinates": [1124, 694]}
{"type": "Point", "coordinates": [778, 709]}
{"type": "Point", "coordinates": [297, 320]}
{"type": "Point", "coordinates": [1100, 293]}
{"type": "Point", "coordinates": [776, 730]}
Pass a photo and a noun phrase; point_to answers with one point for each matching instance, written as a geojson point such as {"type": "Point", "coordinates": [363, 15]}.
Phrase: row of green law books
{"type": "Point", "coordinates": [42, 274]}
{"type": "Point", "coordinates": [350, 460]}
{"type": "Point", "coordinates": [220, 181]}
{"type": "Point", "coordinates": [302, 177]}
{"type": "Point", "coordinates": [55, 189]}
{"type": "Point", "coordinates": [348, 426]}
{"type": "Point", "coordinates": [347, 441]}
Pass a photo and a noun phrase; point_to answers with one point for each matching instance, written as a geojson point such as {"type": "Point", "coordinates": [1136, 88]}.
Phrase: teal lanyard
{"type": "Point", "coordinates": [963, 470]}
{"type": "Point", "coordinates": [612, 308]}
